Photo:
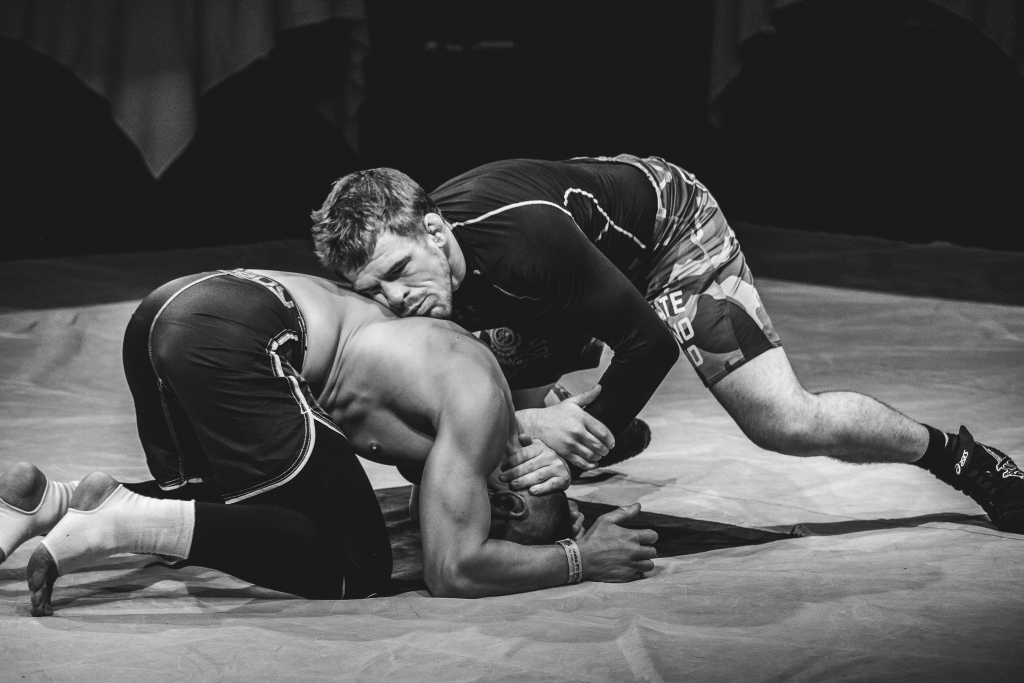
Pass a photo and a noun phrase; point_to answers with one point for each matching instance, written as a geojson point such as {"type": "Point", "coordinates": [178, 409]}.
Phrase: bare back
{"type": "Point", "coordinates": [391, 383]}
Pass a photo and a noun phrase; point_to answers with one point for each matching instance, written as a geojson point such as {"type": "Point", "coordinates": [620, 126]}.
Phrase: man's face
{"type": "Point", "coordinates": [409, 275]}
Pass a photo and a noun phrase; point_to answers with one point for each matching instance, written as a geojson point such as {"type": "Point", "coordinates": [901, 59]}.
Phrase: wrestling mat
{"type": "Point", "coordinates": [772, 568]}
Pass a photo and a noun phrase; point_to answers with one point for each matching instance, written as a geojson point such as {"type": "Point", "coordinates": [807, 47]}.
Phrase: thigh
{"type": "Point", "coordinates": [705, 292]}
{"type": "Point", "coordinates": [532, 357]}
{"type": "Point", "coordinates": [764, 392]}
{"type": "Point", "coordinates": [170, 443]}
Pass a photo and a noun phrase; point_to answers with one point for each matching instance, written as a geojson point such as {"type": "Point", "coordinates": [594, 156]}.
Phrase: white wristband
{"type": "Point", "coordinates": [572, 553]}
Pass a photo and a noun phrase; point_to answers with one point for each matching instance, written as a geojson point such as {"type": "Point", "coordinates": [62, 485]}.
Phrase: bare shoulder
{"type": "Point", "coordinates": [426, 337]}
{"type": "Point", "coordinates": [437, 349]}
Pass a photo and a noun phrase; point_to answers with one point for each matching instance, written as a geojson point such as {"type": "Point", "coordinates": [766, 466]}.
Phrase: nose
{"type": "Point", "coordinates": [395, 295]}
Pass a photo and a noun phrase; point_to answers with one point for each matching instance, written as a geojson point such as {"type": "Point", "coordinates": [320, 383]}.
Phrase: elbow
{"type": "Point", "coordinates": [450, 584]}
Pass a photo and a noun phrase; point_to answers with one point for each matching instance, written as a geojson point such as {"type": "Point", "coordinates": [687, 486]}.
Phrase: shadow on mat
{"type": "Point", "coordinates": [676, 535]}
{"type": "Point", "coordinates": [853, 526]}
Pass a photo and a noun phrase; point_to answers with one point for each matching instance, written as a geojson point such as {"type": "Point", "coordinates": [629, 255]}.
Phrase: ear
{"type": "Point", "coordinates": [435, 227]}
{"type": "Point", "coordinates": [508, 505]}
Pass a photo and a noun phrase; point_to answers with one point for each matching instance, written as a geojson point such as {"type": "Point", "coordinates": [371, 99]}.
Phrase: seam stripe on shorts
{"type": "Point", "coordinates": [307, 413]}
{"type": "Point", "coordinates": [178, 483]}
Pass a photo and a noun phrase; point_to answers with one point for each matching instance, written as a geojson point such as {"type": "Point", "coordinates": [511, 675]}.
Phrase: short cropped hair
{"type": "Point", "coordinates": [359, 207]}
{"type": "Point", "coordinates": [535, 520]}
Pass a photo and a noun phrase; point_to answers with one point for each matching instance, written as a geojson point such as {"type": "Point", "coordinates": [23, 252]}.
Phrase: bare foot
{"type": "Point", "coordinates": [42, 568]}
{"type": "Point", "coordinates": [42, 572]}
{"type": "Point", "coordinates": [22, 487]}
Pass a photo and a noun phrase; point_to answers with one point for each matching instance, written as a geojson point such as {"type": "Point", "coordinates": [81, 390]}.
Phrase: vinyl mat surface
{"type": "Point", "coordinates": [772, 568]}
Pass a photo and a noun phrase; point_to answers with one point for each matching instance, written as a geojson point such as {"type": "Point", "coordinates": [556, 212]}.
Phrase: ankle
{"type": "Point", "coordinates": [23, 486]}
{"type": "Point", "coordinates": [937, 442]}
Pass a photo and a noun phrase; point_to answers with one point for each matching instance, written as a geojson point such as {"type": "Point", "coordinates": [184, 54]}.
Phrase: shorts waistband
{"type": "Point", "coordinates": [278, 290]}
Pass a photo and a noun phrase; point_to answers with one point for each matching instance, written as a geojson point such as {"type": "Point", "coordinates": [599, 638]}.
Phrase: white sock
{"type": "Point", "coordinates": [17, 526]}
{"type": "Point", "coordinates": [123, 523]}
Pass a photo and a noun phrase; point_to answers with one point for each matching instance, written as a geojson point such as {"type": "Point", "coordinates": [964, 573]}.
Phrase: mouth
{"type": "Point", "coordinates": [417, 309]}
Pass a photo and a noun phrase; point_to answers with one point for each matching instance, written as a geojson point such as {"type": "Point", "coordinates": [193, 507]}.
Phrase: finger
{"type": "Point", "coordinates": [522, 470]}
{"type": "Point", "coordinates": [645, 552]}
{"type": "Point", "coordinates": [590, 446]}
{"type": "Point", "coordinates": [525, 439]}
{"type": "Point", "coordinates": [550, 486]}
{"type": "Point", "coordinates": [531, 452]}
{"type": "Point", "coordinates": [647, 536]}
{"type": "Point", "coordinates": [599, 432]}
{"type": "Point", "coordinates": [645, 566]}
{"type": "Point", "coordinates": [583, 453]}
{"type": "Point", "coordinates": [591, 432]}
{"type": "Point", "coordinates": [580, 462]}
{"type": "Point", "coordinates": [586, 397]}
{"type": "Point", "coordinates": [577, 522]}
{"type": "Point", "coordinates": [538, 477]}
{"type": "Point", "coordinates": [621, 514]}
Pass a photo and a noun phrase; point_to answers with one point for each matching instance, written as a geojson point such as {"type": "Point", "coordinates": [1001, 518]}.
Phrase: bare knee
{"type": "Point", "coordinates": [22, 486]}
{"type": "Point", "coordinates": [788, 426]}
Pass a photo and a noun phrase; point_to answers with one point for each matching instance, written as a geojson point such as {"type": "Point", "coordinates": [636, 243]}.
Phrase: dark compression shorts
{"type": "Point", "coordinates": [213, 362]}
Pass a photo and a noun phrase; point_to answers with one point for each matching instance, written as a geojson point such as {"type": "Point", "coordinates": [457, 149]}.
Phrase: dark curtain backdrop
{"type": "Point", "coordinates": [893, 118]}
{"type": "Point", "coordinates": [898, 118]}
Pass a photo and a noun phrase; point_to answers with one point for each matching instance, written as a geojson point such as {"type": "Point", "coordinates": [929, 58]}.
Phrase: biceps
{"type": "Point", "coordinates": [454, 503]}
{"type": "Point", "coordinates": [454, 518]}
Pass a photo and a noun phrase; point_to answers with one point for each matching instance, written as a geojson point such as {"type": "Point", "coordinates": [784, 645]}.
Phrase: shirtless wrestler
{"type": "Point", "coordinates": [253, 392]}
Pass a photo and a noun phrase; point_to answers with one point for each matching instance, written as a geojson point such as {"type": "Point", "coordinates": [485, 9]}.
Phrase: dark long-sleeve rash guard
{"type": "Point", "coordinates": [564, 245]}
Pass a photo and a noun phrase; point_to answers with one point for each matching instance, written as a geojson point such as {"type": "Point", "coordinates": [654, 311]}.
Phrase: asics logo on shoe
{"type": "Point", "coordinates": [1004, 465]}
{"type": "Point", "coordinates": [963, 459]}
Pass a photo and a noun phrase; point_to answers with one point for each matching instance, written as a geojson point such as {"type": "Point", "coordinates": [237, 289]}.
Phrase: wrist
{"type": "Point", "coordinates": [525, 418]}
{"type": "Point", "coordinates": [574, 559]}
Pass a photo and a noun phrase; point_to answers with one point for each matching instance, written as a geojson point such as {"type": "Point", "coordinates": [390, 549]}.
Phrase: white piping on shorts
{"type": "Point", "coordinates": [309, 442]}
{"type": "Point", "coordinates": [181, 481]}
{"type": "Point", "coordinates": [309, 415]}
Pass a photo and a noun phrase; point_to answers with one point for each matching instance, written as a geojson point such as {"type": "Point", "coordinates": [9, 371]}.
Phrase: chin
{"type": "Point", "coordinates": [442, 308]}
{"type": "Point", "coordinates": [441, 311]}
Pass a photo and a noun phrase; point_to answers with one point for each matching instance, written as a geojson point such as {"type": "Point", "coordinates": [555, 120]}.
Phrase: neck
{"type": "Point", "coordinates": [456, 259]}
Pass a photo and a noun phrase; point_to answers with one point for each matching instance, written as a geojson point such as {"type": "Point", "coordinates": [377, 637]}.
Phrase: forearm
{"type": "Point", "coordinates": [630, 381]}
{"type": "Point", "coordinates": [500, 568]}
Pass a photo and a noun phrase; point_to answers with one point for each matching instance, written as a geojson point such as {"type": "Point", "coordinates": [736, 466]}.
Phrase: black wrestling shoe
{"type": "Point", "coordinates": [634, 440]}
{"type": "Point", "coordinates": [988, 476]}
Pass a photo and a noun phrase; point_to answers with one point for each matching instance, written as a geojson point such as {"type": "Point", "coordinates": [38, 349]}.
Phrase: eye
{"type": "Point", "coordinates": [397, 270]}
